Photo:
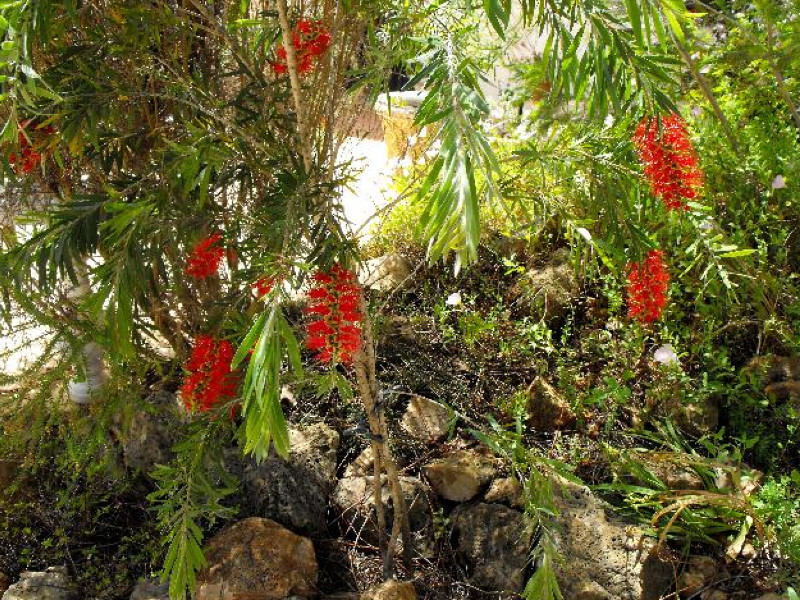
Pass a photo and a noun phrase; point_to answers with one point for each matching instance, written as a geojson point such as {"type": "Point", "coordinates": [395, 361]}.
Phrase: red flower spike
{"type": "Point", "coordinates": [264, 286]}
{"type": "Point", "coordinates": [209, 380]}
{"type": "Point", "coordinates": [648, 282]}
{"type": "Point", "coordinates": [334, 334]}
{"type": "Point", "coordinates": [206, 257]}
{"type": "Point", "coordinates": [29, 156]}
{"type": "Point", "coordinates": [669, 159]}
{"type": "Point", "coordinates": [310, 40]}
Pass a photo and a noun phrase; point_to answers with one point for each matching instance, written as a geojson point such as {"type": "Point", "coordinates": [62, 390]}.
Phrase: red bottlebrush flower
{"type": "Point", "coordinates": [29, 156]}
{"type": "Point", "coordinates": [205, 258]}
{"type": "Point", "coordinates": [264, 286]}
{"type": "Point", "coordinates": [334, 305]}
{"type": "Point", "coordinates": [648, 282]}
{"type": "Point", "coordinates": [310, 40]}
{"type": "Point", "coordinates": [209, 380]}
{"type": "Point", "coordinates": [669, 159]}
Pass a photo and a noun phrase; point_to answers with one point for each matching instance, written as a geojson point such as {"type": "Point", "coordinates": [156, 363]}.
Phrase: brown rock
{"type": "Point", "coordinates": [548, 290]}
{"type": "Point", "coordinates": [392, 590]}
{"type": "Point", "coordinates": [8, 472]}
{"type": "Point", "coordinates": [426, 420]}
{"type": "Point", "coordinates": [774, 369]}
{"type": "Point", "coordinates": [461, 476]}
{"type": "Point", "coordinates": [714, 595]}
{"type": "Point", "coordinates": [547, 409]}
{"type": "Point", "coordinates": [773, 597]}
{"type": "Point", "coordinates": [784, 391]}
{"type": "Point", "coordinates": [5, 582]}
{"type": "Point", "coordinates": [505, 490]}
{"type": "Point", "coordinates": [257, 559]}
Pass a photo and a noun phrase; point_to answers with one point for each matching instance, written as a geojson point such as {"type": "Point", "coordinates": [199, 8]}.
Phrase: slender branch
{"type": "Point", "coordinates": [702, 82]}
{"type": "Point", "coordinates": [294, 80]}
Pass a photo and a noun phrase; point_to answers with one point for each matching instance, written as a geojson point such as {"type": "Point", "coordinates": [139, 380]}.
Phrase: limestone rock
{"type": "Point", "coordinates": [460, 476]}
{"type": "Point", "coordinates": [505, 490]}
{"type": "Point", "coordinates": [547, 409]}
{"type": "Point", "coordinates": [426, 420]}
{"type": "Point", "coordinates": [257, 559]}
{"type": "Point", "coordinates": [392, 590]}
{"type": "Point", "coordinates": [148, 438]}
{"type": "Point", "coordinates": [149, 589]}
{"type": "Point", "coordinates": [293, 492]}
{"type": "Point", "coordinates": [362, 465]}
{"type": "Point", "coordinates": [493, 542]}
{"type": "Point", "coordinates": [602, 553]}
{"type": "Point", "coordinates": [354, 499]}
{"type": "Point", "coordinates": [51, 584]}
{"type": "Point", "coordinates": [385, 273]}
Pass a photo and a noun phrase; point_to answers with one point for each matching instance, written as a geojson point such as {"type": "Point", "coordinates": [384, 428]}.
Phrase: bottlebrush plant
{"type": "Point", "coordinates": [334, 332]}
{"type": "Point", "coordinates": [670, 161]}
{"type": "Point", "coordinates": [178, 119]}
{"type": "Point", "coordinates": [648, 283]}
{"type": "Point", "coordinates": [208, 381]}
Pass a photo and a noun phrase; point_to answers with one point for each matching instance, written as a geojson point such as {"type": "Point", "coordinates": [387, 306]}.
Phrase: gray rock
{"type": "Point", "coordinates": [293, 492]}
{"type": "Point", "coordinates": [493, 542]}
{"type": "Point", "coordinates": [460, 476]}
{"type": "Point", "coordinates": [257, 558]}
{"type": "Point", "coordinates": [150, 589]}
{"type": "Point", "coordinates": [148, 437]}
{"type": "Point", "coordinates": [604, 557]}
{"type": "Point", "coordinates": [426, 420]}
{"type": "Point", "coordinates": [51, 584]}
{"type": "Point", "coordinates": [353, 497]}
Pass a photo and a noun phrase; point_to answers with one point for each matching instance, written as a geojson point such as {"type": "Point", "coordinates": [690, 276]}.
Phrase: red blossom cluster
{"type": "Point", "coordinates": [334, 333]}
{"type": "Point", "coordinates": [209, 380]}
{"type": "Point", "coordinates": [263, 286]}
{"type": "Point", "coordinates": [205, 258]}
{"type": "Point", "coordinates": [311, 40]}
{"type": "Point", "coordinates": [648, 282]}
{"type": "Point", "coordinates": [29, 157]}
{"type": "Point", "coordinates": [670, 161]}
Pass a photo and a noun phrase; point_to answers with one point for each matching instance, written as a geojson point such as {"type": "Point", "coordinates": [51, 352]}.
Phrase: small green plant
{"type": "Point", "coordinates": [778, 504]}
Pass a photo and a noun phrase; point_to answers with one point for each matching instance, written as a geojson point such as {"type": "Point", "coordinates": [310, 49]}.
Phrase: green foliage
{"type": "Point", "coordinates": [70, 502]}
{"type": "Point", "coordinates": [270, 337]}
{"type": "Point", "coordinates": [188, 497]}
{"type": "Point", "coordinates": [778, 504]}
{"type": "Point", "coordinates": [539, 475]}
{"type": "Point", "coordinates": [706, 515]}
